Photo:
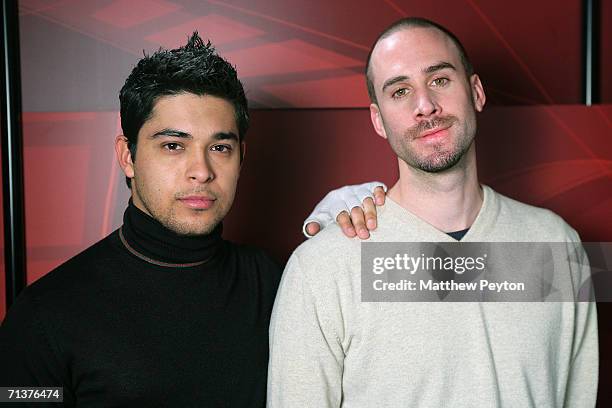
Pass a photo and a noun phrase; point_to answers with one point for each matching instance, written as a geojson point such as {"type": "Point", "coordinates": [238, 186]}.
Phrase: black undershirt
{"type": "Point", "coordinates": [146, 317]}
{"type": "Point", "coordinates": [458, 235]}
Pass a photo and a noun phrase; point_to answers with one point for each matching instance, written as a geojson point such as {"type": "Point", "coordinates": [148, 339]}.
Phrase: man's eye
{"type": "Point", "coordinates": [400, 92]}
{"type": "Point", "coordinates": [172, 146]}
{"type": "Point", "coordinates": [222, 148]}
{"type": "Point", "coordinates": [440, 82]}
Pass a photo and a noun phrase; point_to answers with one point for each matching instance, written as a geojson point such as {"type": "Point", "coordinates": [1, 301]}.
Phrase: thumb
{"type": "Point", "coordinates": [313, 228]}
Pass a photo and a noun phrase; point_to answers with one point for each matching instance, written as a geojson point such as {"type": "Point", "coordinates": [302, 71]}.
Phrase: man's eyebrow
{"type": "Point", "coordinates": [185, 135]}
{"type": "Point", "coordinates": [394, 80]}
{"type": "Point", "coordinates": [439, 66]}
{"type": "Point", "coordinates": [171, 133]}
{"type": "Point", "coordinates": [431, 69]}
{"type": "Point", "coordinates": [225, 136]}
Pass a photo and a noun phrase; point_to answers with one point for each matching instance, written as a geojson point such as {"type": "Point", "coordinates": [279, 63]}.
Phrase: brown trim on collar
{"type": "Point", "coordinates": [153, 261]}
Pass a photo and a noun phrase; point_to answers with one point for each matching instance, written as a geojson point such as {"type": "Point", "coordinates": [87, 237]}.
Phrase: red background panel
{"type": "Point", "coordinates": [129, 13]}
{"type": "Point", "coordinates": [526, 52]}
{"type": "Point", "coordinates": [44, 197]}
{"type": "Point", "coordinates": [223, 30]}
{"type": "Point", "coordinates": [287, 57]}
{"type": "Point", "coordinates": [555, 157]}
{"type": "Point", "coordinates": [71, 180]}
{"type": "Point", "coordinates": [346, 89]}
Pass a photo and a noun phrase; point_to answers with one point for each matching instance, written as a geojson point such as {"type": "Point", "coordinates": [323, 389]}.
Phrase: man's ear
{"type": "Point", "coordinates": [124, 156]}
{"type": "Point", "coordinates": [377, 120]}
{"type": "Point", "coordinates": [478, 93]}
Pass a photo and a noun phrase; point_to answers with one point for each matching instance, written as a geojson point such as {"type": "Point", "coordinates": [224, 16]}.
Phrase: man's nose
{"type": "Point", "coordinates": [425, 103]}
{"type": "Point", "coordinates": [199, 168]}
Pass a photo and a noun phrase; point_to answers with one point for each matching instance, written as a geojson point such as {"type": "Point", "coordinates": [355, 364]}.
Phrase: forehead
{"type": "Point", "coordinates": [412, 49]}
{"type": "Point", "coordinates": [190, 112]}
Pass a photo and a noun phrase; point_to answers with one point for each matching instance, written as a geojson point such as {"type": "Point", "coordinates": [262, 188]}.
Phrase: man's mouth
{"type": "Point", "coordinates": [433, 129]}
{"type": "Point", "coordinates": [198, 202]}
{"type": "Point", "coordinates": [435, 133]}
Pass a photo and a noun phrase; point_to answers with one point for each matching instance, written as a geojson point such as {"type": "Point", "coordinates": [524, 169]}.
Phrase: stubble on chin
{"type": "Point", "coordinates": [443, 157]}
{"type": "Point", "coordinates": [191, 227]}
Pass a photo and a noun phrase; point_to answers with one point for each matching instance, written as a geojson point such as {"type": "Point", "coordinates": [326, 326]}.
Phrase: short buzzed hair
{"type": "Point", "coordinates": [415, 22]}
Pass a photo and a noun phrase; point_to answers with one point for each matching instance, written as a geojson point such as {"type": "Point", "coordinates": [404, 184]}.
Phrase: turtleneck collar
{"type": "Point", "coordinates": [149, 240]}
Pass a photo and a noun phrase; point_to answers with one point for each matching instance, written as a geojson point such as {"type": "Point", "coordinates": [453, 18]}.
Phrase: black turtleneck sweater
{"type": "Point", "coordinates": [146, 317]}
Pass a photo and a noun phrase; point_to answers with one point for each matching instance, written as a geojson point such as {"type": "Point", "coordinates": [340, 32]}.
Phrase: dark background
{"type": "Point", "coordinates": [302, 63]}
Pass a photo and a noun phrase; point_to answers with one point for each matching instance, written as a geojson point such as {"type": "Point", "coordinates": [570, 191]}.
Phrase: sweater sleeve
{"type": "Point", "coordinates": [581, 389]}
{"type": "Point", "coordinates": [306, 353]}
{"type": "Point", "coordinates": [27, 358]}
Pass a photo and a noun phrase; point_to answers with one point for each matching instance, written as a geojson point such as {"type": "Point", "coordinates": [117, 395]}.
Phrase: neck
{"type": "Point", "coordinates": [149, 240]}
{"type": "Point", "coordinates": [449, 200]}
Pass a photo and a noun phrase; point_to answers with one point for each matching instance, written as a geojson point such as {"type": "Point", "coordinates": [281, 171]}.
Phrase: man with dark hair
{"type": "Point", "coordinates": [332, 346]}
{"type": "Point", "coordinates": [163, 311]}
{"type": "Point", "coordinates": [195, 68]}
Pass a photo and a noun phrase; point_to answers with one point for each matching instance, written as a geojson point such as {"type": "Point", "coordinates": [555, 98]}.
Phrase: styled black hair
{"type": "Point", "coordinates": [194, 68]}
{"type": "Point", "coordinates": [412, 22]}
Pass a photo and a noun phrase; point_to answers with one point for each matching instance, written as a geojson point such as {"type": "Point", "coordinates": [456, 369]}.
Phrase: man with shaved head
{"type": "Point", "coordinates": [330, 348]}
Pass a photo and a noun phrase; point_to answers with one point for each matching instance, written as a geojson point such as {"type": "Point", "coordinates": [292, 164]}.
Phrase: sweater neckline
{"type": "Point", "coordinates": [478, 227]}
{"type": "Point", "coordinates": [147, 239]}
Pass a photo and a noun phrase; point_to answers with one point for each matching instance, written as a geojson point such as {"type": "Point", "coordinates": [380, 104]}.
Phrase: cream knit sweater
{"type": "Point", "coordinates": [329, 349]}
